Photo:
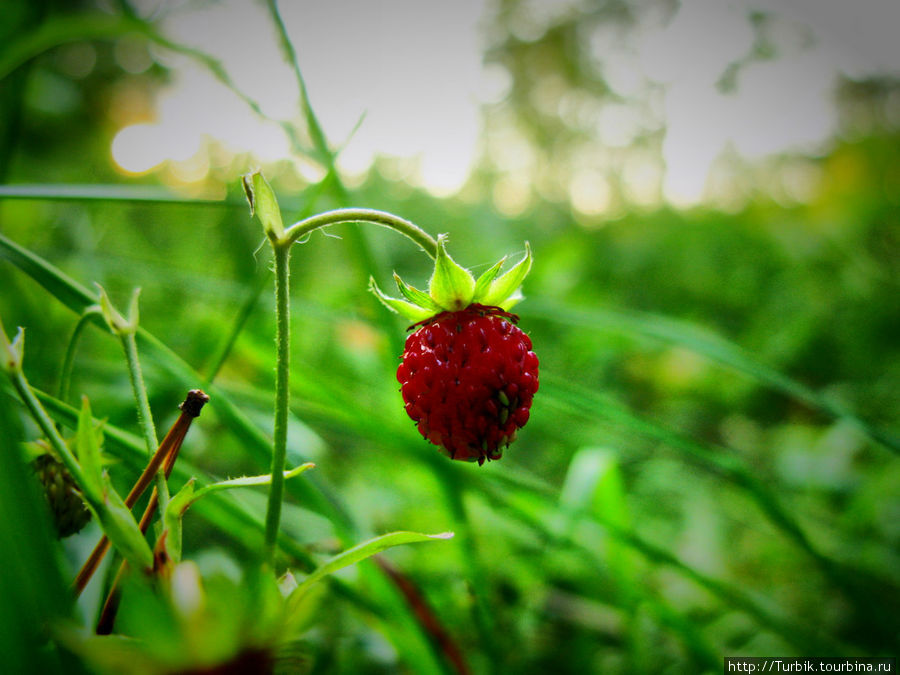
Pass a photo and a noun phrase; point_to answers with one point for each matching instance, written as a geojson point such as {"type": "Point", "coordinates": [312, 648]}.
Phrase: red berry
{"type": "Point", "coordinates": [468, 379]}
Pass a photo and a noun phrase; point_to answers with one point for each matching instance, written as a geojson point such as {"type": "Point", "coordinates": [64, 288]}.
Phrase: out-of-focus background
{"type": "Point", "coordinates": [712, 194]}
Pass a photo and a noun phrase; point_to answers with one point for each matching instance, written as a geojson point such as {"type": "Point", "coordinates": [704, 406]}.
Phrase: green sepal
{"type": "Point", "coordinates": [402, 307]}
{"type": "Point", "coordinates": [484, 281]}
{"type": "Point", "coordinates": [117, 323]}
{"type": "Point", "coordinates": [415, 296]}
{"type": "Point", "coordinates": [452, 286]}
{"type": "Point", "coordinates": [502, 290]}
{"type": "Point", "coordinates": [11, 353]}
{"type": "Point", "coordinates": [263, 204]}
{"type": "Point", "coordinates": [511, 301]}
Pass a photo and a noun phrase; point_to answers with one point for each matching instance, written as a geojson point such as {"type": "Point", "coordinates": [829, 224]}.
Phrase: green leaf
{"type": "Point", "coordinates": [354, 555]}
{"type": "Point", "coordinates": [484, 281]}
{"type": "Point", "coordinates": [244, 481]}
{"type": "Point", "coordinates": [503, 289]}
{"type": "Point", "coordinates": [88, 448]}
{"type": "Point", "coordinates": [69, 292]}
{"type": "Point", "coordinates": [415, 296]}
{"type": "Point", "coordinates": [121, 528]}
{"type": "Point", "coordinates": [402, 307]}
{"type": "Point", "coordinates": [263, 204]}
{"type": "Point", "coordinates": [451, 285]}
{"type": "Point", "coordinates": [33, 591]}
{"type": "Point", "coordinates": [593, 487]}
{"type": "Point", "coordinates": [187, 496]}
{"type": "Point", "coordinates": [114, 517]}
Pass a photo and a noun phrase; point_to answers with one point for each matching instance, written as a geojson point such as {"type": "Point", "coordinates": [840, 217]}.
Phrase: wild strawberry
{"type": "Point", "coordinates": [468, 374]}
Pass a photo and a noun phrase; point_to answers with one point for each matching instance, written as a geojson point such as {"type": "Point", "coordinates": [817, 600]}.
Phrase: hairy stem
{"type": "Point", "coordinates": [383, 218]}
{"type": "Point", "coordinates": [281, 247]}
{"type": "Point", "coordinates": [46, 424]}
{"type": "Point", "coordinates": [65, 374]}
{"type": "Point", "coordinates": [282, 394]}
{"type": "Point", "coordinates": [145, 416]}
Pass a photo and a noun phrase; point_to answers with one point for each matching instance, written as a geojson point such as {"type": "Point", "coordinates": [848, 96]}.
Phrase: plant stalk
{"type": "Point", "coordinates": [145, 416]}
{"type": "Point", "coordinates": [165, 456]}
{"type": "Point", "coordinates": [65, 377]}
{"type": "Point", "coordinates": [282, 251]}
{"type": "Point", "coordinates": [383, 218]}
{"type": "Point", "coordinates": [47, 426]}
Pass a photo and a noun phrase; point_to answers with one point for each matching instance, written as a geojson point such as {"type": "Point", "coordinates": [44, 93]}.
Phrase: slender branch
{"type": "Point", "coordinates": [383, 218]}
{"type": "Point", "coordinates": [312, 123]}
{"type": "Point", "coordinates": [65, 374]}
{"type": "Point", "coordinates": [145, 417]}
{"type": "Point", "coordinates": [282, 395]}
{"type": "Point", "coordinates": [46, 424]}
{"type": "Point", "coordinates": [240, 320]}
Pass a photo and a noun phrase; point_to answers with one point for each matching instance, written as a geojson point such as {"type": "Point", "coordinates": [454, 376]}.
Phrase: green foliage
{"type": "Point", "coordinates": [711, 464]}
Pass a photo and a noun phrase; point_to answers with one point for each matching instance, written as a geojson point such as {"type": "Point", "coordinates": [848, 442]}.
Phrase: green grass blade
{"type": "Point", "coordinates": [792, 631]}
{"type": "Point", "coordinates": [719, 461]}
{"type": "Point", "coordinates": [139, 194]}
{"type": "Point", "coordinates": [711, 346]}
{"type": "Point", "coordinates": [220, 510]}
{"type": "Point", "coordinates": [360, 552]}
{"type": "Point", "coordinates": [62, 30]}
{"type": "Point", "coordinates": [32, 589]}
{"type": "Point", "coordinates": [77, 298]}
{"type": "Point", "coordinates": [69, 292]}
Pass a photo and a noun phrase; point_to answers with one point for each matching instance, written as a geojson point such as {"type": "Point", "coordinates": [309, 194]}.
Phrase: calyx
{"type": "Point", "coordinates": [453, 287]}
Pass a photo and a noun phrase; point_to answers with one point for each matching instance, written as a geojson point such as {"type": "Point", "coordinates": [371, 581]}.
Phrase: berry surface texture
{"type": "Point", "coordinates": [468, 378]}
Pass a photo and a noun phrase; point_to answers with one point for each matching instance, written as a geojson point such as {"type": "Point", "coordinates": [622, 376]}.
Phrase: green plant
{"type": "Point", "coordinates": [287, 610]}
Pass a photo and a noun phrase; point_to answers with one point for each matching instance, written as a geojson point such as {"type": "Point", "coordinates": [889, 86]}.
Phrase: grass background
{"type": "Point", "coordinates": [710, 467]}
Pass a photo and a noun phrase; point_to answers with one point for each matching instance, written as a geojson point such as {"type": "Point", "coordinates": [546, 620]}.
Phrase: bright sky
{"type": "Point", "coordinates": [413, 69]}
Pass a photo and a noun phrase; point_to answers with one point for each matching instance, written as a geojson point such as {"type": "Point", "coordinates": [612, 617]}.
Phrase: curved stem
{"type": "Point", "coordinates": [65, 376]}
{"type": "Point", "coordinates": [282, 394]}
{"type": "Point", "coordinates": [383, 218]}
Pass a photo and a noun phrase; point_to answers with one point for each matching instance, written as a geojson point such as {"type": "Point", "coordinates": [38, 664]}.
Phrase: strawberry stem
{"type": "Point", "coordinates": [383, 218]}
{"type": "Point", "coordinates": [282, 253]}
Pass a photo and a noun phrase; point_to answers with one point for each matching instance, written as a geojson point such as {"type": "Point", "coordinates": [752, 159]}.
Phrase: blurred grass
{"type": "Point", "coordinates": [704, 473]}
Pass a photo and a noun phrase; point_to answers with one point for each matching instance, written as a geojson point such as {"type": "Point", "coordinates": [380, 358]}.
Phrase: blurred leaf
{"type": "Point", "coordinates": [95, 192]}
{"type": "Point", "coordinates": [709, 345]}
{"type": "Point", "coordinates": [61, 30]}
{"type": "Point", "coordinates": [32, 590]}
